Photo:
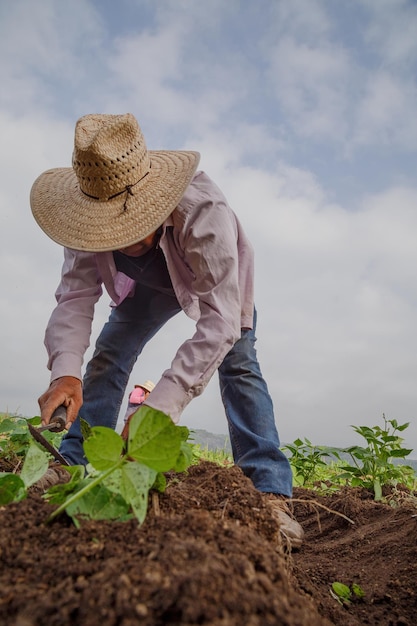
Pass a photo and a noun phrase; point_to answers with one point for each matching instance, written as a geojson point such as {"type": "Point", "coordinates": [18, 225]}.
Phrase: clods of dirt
{"type": "Point", "coordinates": [378, 552]}
{"type": "Point", "coordinates": [209, 553]}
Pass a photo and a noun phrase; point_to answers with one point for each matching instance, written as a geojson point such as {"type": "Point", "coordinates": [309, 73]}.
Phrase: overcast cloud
{"type": "Point", "coordinates": [304, 114]}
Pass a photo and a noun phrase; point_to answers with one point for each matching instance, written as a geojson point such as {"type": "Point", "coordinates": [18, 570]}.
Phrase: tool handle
{"type": "Point", "coordinates": [58, 419]}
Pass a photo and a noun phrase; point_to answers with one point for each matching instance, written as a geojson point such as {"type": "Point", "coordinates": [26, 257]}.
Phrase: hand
{"type": "Point", "coordinates": [66, 390]}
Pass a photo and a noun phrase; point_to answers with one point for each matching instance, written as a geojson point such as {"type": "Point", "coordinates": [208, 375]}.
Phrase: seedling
{"type": "Point", "coordinates": [119, 479]}
{"type": "Point", "coordinates": [344, 594]}
{"type": "Point", "coordinates": [307, 460]}
{"type": "Point", "coordinates": [372, 467]}
{"type": "Point", "coordinates": [341, 593]}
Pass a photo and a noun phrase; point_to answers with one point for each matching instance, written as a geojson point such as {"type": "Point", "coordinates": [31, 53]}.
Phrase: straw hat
{"type": "Point", "coordinates": [116, 193]}
{"type": "Point", "coordinates": [148, 385]}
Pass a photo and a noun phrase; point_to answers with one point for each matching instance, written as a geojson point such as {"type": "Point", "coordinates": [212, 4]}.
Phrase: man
{"type": "Point", "coordinates": [136, 398]}
{"type": "Point", "coordinates": [161, 238]}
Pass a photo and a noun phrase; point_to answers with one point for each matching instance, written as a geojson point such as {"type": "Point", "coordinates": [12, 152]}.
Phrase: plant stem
{"type": "Point", "coordinates": [86, 489]}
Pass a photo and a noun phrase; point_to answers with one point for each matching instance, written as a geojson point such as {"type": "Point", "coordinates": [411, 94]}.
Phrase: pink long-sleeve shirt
{"type": "Point", "coordinates": [210, 262]}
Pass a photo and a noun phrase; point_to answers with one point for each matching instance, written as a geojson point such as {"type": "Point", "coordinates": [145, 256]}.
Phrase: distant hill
{"type": "Point", "coordinates": [210, 441]}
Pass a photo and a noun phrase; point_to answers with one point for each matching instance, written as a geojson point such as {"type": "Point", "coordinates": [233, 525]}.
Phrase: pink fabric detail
{"type": "Point", "coordinates": [137, 396]}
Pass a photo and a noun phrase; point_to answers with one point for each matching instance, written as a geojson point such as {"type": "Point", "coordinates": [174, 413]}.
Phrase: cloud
{"type": "Point", "coordinates": [310, 83]}
{"type": "Point", "coordinates": [336, 318]}
{"type": "Point", "coordinates": [384, 114]}
{"type": "Point", "coordinates": [391, 32]}
{"type": "Point", "coordinates": [50, 50]}
{"type": "Point", "coordinates": [171, 78]}
{"type": "Point", "coordinates": [326, 91]}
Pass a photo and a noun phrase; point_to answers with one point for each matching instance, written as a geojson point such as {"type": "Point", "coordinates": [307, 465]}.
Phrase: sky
{"type": "Point", "coordinates": [304, 112]}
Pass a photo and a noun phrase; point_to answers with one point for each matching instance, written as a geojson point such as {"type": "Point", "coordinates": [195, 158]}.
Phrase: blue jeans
{"type": "Point", "coordinates": [248, 405]}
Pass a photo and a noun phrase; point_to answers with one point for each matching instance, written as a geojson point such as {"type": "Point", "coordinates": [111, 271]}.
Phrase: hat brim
{"type": "Point", "coordinates": [76, 221]}
{"type": "Point", "coordinates": [145, 387]}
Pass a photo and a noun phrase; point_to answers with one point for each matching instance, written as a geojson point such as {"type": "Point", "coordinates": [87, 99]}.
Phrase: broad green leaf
{"type": "Point", "coordinates": [401, 452]}
{"type": "Point", "coordinates": [160, 483]}
{"type": "Point", "coordinates": [99, 504]}
{"type": "Point", "coordinates": [12, 488]}
{"type": "Point", "coordinates": [402, 426]}
{"type": "Point", "coordinates": [14, 426]}
{"type": "Point", "coordinates": [184, 458]}
{"type": "Point", "coordinates": [58, 494]}
{"type": "Point", "coordinates": [136, 480]}
{"type": "Point", "coordinates": [341, 590]}
{"type": "Point", "coordinates": [389, 438]}
{"type": "Point", "coordinates": [35, 421]}
{"type": "Point", "coordinates": [154, 439]}
{"type": "Point", "coordinates": [113, 481]}
{"type": "Point", "coordinates": [341, 593]}
{"type": "Point", "coordinates": [298, 480]}
{"type": "Point", "coordinates": [35, 465]}
{"type": "Point", "coordinates": [85, 428]}
{"type": "Point", "coordinates": [358, 591]}
{"type": "Point", "coordinates": [133, 482]}
{"type": "Point", "coordinates": [7, 425]}
{"type": "Point", "coordinates": [103, 447]}
{"type": "Point", "coordinates": [185, 432]}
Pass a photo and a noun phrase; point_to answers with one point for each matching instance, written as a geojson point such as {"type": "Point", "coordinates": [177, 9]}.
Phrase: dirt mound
{"type": "Point", "coordinates": [209, 553]}
{"type": "Point", "coordinates": [378, 552]}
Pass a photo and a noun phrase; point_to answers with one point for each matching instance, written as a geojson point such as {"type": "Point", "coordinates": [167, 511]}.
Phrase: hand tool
{"type": "Point", "coordinates": [56, 425]}
{"type": "Point", "coordinates": [57, 421]}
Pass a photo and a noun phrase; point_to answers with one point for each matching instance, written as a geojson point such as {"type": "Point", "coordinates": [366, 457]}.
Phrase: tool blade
{"type": "Point", "coordinates": [45, 443]}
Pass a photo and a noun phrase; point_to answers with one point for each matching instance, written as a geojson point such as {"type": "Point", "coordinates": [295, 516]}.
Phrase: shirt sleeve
{"type": "Point", "coordinates": [67, 335]}
{"type": "Point", "coordinates": [209, 244]}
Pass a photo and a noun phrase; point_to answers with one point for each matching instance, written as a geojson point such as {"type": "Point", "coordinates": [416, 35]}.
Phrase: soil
{"type": "Point", "coordinates": [210, 553]}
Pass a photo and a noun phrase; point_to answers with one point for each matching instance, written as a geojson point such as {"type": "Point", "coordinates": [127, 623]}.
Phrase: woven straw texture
{"type": "Point", "coordinates": [117, 192]}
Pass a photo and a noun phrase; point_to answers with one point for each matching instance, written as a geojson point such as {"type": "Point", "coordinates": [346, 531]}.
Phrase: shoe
{"type": "Point", "coordinates": [56, 474]}
{"type": "Point", "coordinates": [290, 529]}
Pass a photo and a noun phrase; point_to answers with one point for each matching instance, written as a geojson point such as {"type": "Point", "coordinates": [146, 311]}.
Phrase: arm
{"type": "Point", "coordinates": [68, 332]}
{"type": "Point", "coordinates": [209, 246]}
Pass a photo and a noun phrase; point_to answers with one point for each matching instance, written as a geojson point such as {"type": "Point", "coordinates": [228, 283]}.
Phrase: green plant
{"type": "Point", "coordinates": [119, 477]}
{"type": "Point", "coordinates": [13, 487]}
{"type": "Point", "coordinates": [344, 594]}
{"type": "Point", "coordinates": [372, 467]}
{"type": "Point", "coordinates": [15, 437]}
{"type": "Point", "coordinates": [307, 460]}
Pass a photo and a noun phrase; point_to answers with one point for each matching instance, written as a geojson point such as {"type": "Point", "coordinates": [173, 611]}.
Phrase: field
{"type": "Point", "coordinates": [209, 553]}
